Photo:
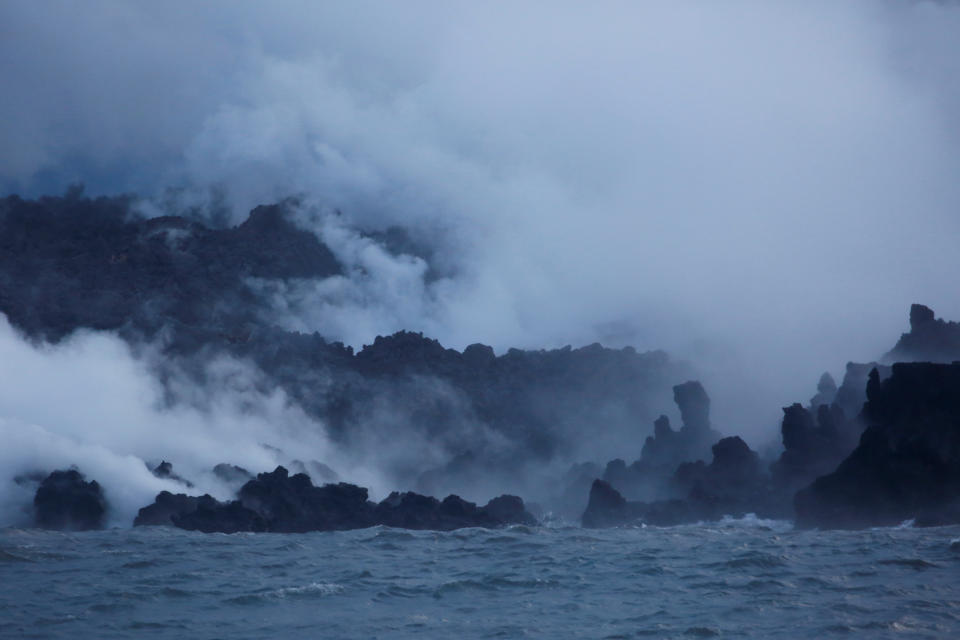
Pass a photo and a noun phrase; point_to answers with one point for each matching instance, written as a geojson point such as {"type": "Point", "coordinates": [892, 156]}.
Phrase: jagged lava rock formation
{"type": "Point", "coordinates": [891, 459]}
{"type": "Point", "coordinates": [195, 291]}
{"type": "Point", "coordinates": [653, 473]}
{"type": "Point", "coordinates": [732, 484]}
{"type": "Point", "coordinates": [907, 465]}
{"type": "Point", "coordinates": [930, 339]}
{"type": "Point", "coordinates": [66, 501]}
{"type": "Point", "coordinates": [281, 503]}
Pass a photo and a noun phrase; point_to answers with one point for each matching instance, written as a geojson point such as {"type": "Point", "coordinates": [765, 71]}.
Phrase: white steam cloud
{"type": "Point", "coordinates": [89, 402]}
{"type": "Point", "coordinates": [763, 188]}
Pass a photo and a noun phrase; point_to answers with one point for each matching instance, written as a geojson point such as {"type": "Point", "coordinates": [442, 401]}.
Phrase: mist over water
{"type": "Point", "coordinates": [761, 189]}
{"type": "Point", "coordinates": [91, 403]}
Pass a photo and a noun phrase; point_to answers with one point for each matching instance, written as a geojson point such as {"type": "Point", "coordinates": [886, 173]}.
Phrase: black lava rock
{"type": "Point", "coordinates": [930, 339]}
{"type": "Point", "coordinates": [212, 516]}
{"type": "Point", "coordinates": [165, 470]}
{"type": "Point", "coordinates": [907, 465]}
{"type": "Point", "coordinates": [232, 474]}
{"type": "Point", "coordinates": [67, 502]}
{"type": "Point", "coordinates": [607, 508]}
{"type": "Point", "coordinates": [282, 503]}
{"type": "Point", "coordinates": [732, 484]}
{"type": "Point", "coordinates": [165, 507]}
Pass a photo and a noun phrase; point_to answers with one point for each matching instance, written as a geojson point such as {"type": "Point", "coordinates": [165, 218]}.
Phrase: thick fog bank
{"type": "Point", "coordinates": [759, 187]}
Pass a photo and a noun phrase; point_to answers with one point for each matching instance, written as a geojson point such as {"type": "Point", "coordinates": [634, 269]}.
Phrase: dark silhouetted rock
{"type": "Point", "coordinates": [907, 465]}
{"type": "Point", "coordinates": [165, 507]}
{"type": "Point", "coordinates": [232, 474]}
{"type": "Point", "coordinates": [212, 516]}
{"type": "Point", "coordinates": [479, 355]}
{"type": "Point", "coordinates": [199, 513]}
{"type": "Point", "coordinates": [606, 507]}
{"type": "Point", "coordinates": [99, 264]}
{"type": "Point", "coordinates": [735, 465]}
{"type": "Point", "coordinates": [811, 447]}
{"type": "Point", "coordinates": [293, 504]}
{"type": "Point", "coordinates": [415, 511]}
{"type": "Point", "coordinates": [67, 502]}
{"type": "Point", "coordinates": [929, 340]}
{"type": "Point", "coordinates": [574, 489]}
{"type": "Point", "coordinates": [165, 470]}
{"type": "Point", "coordinates": [507, 509]}
{"type": "Point", "coordinates": [279, 502]}
{"type": "Point", "coordinates": [664, 447]}
{"type": "Point", "coordinates": [826, 392]}
{"type": "Point", "coordinates": [667, 448]}
{"type": "Point", "coordinates": [694, 404]}
{"type": "Point", "coordinates": [653, 476]}
{"type": "Point", "coordinates": [852, 392]}
{"type": "Point", "coordinates": [817, 438]}
{"type": "Point", "coordinates": [920, 317]}
{"type": "Point", "coordinates": [319, 473]}
{"type": "Point", "coordinates": [734, 483]}
{"type": "Point", "coordinates": [616, 473]}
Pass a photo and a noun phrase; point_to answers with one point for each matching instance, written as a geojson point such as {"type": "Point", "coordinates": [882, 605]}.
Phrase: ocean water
{"type": "Point", "coordinates": [738, 579]}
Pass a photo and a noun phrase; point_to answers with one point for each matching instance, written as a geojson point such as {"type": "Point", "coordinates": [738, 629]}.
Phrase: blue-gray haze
{"type": "Point", "coordinates": [760, 187]}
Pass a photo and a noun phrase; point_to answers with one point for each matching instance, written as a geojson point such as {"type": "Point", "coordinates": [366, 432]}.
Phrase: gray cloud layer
{"type": "Point", "coordinates": [762, 187]}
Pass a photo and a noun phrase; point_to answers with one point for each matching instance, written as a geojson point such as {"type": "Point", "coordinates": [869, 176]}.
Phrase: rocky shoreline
{"type": "Point", "coordinates": [897, 459]}
{"type": "Point", "coordinates": [879, 448]}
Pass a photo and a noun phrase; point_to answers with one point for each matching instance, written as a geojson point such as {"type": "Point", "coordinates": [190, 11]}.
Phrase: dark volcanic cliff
{"type": "Point", "coordinates": [930, 339]}
{"type": "Point", "coordinates": [907, 465]}
{"type": "Point", "coordinates": [882, 448]}
{"type": "Point", "coordinates": [73, 262]}
{"type": "Point", "coordinates": [193, 292]}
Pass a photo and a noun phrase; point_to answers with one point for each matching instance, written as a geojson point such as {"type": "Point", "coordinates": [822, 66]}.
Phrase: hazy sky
{"type": "Point", "coordinates": [763, 187]}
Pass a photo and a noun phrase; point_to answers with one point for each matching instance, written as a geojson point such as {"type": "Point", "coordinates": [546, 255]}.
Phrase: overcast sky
{"type": "Point", "coordinates": [764, 187]}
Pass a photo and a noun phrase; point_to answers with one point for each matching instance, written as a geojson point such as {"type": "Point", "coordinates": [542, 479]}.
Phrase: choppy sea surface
{"type": "Point", "coordinates": [738, 578]}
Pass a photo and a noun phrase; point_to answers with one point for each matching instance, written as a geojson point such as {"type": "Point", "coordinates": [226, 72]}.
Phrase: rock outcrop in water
{"type": "Point", "coordinates": [66, 501]}
{"type": "Point", "coordinates": [672, 483]}
{"type": "Point", "coordinates": [816, 438]}
{"type": "Point", "coordinates": [281, 503]}
{"type": "Point", "coordinates": [653, 474]}
{"type": "Point", "coordinates": [814, 444]}
{"type": "Point", "coordinates": [72, 262]}
{"type": "Point", "coordinates": [907, 465]}
{"type": "Point", "coordinates": [734, 483]}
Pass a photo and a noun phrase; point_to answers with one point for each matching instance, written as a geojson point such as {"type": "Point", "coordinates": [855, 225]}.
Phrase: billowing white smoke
{"type": "Point", "coordinates": [89, 402]}
{"type": "Point", "coordinates": [761, 187]}
{"type": "Point", "coordinates": [378, 294]}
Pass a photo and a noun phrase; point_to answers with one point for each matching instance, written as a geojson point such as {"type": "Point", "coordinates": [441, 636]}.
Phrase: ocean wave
{"type": "Point", "coordinates": [6, 556]}
{"type": "Point", "coordinates": [913, 563]}
{"type": "Point", "coordinates": [313, 589]}
{"type": "Point", "coordinates": [751, 560]}
{"type": "Point", "coordinates": [750, 520]}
